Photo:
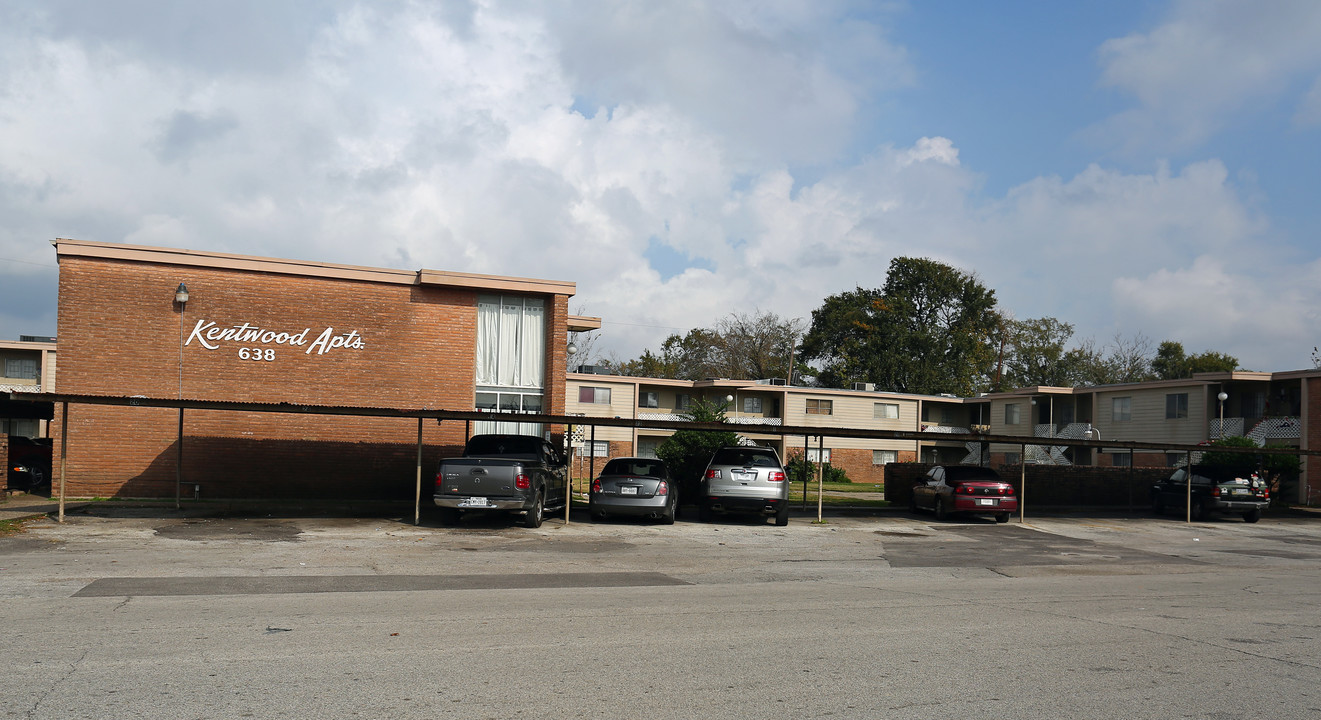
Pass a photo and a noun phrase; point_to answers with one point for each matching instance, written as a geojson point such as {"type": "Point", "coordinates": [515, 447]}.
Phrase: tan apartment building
{"type": "Point", "coordinates": [28, 366]}
{"type": "Point", "coordinates": [759, 407]}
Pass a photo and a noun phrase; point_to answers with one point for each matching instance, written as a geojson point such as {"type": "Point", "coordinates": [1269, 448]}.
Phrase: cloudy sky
{"type": "Point", "coordinates": [1129, 167]}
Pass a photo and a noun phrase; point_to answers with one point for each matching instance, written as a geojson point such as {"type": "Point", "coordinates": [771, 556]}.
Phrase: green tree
{"type": "Point", "coordinates": [1171, 363]}
{"type": "Point", "coordinates": [687, 452]}
{"type": "Point", "coordinates": [1036, 354]}
{"type": "Point", "coordinates": [927, 330]}
{"type": "Point", "coordinates": [742, 346]}
{"type": "Point", "coordinates": [1124, 360]}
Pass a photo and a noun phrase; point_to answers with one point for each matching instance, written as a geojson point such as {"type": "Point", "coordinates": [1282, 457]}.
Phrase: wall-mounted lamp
{"type": "Point", "coordinates": [572, 349]}
{"type": "Point", "coordinates": [181, 294]}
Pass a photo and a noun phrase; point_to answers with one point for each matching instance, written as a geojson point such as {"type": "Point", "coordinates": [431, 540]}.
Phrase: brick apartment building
{"type": "Point", "coordinates": [262, 330]}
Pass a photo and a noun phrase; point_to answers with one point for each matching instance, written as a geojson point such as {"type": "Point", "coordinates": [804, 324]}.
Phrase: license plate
{"type": "Point", "coordinates": [473, 502]}
{"type": "Point", "coordinates": [985, 501]}
{"type": "Point", "coordinates": [745, 475]}
{"type": "Point", "coordinates": [626, 490]}
{"type": "Point", "coordinates": [1242, 491]}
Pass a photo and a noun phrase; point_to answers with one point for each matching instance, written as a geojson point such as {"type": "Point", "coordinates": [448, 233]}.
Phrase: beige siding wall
{"type": "Point", "coordinates": [622, 404]}
{"type": "Point", "coordinates": [855, 412]}
{"type": "Point", "coordinates": [1147, 413]}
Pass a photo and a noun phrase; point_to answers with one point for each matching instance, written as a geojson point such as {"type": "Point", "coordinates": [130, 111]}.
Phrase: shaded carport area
{"type": "Point", "coordinates": [419, 416]}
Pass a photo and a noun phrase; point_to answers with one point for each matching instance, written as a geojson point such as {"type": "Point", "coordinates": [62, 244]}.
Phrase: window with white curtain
{"type": "Point", "coordinates": [511, 359]}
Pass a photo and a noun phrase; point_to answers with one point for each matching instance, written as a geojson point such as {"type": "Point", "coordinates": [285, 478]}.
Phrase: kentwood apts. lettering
{"type": "Point", "coordinates": [210, 335]}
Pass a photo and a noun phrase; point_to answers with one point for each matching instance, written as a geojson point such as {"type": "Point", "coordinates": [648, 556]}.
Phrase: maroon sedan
{"type": "Point", "coordinates": [967, 489]}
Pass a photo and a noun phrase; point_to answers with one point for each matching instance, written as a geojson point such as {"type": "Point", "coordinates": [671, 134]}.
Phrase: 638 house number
{"type": "Point", "coordinates": [257, 354]}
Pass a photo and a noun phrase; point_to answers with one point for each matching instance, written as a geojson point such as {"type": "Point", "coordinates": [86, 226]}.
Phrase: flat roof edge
{"type": "Point", "coordinates": [228, 261]}
{"type": "Point", "coordinates": [446, 278]}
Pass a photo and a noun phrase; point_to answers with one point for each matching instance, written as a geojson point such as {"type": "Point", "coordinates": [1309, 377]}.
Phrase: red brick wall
{"type": "Point", "coordinates": [4, 458]}
{"type": "Point", "coordinates": [120, 335]}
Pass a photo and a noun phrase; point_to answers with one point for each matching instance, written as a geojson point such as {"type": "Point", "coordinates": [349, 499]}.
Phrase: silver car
{"type": "Point", "coordinates": [745, 479]}
{"type": "Point", "coordinates": [634, 486]}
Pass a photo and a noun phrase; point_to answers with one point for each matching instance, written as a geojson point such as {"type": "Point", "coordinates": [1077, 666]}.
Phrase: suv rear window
{"type": "Point", "coordinates": [634, 467]}
{"type": "Point", "coordinates": [745, 457]}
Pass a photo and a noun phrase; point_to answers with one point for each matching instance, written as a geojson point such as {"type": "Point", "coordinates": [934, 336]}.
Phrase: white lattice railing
{"type": "Point", "coordinates": [946, 429]}
{"type": "Point", "coordinates": [1229, 427]}
{"type": "Point", "coordinates": [1276, 428]}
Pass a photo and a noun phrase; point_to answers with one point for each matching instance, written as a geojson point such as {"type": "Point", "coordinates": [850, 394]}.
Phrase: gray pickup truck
{"type": "Point", "coordinates": [520, 474]}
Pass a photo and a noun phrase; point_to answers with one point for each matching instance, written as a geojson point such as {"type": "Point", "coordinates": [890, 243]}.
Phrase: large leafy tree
{"type": "Point", "coordinates": [1035, 354]}
{"type": "Point", "coordinates": [1124, 360]}
{"type": "Point", "coordinates": [927, 330]}
{"type": "Point", "coordinates": [1171, 363]}
{"type": "Point", "coordinates": [741, 346]}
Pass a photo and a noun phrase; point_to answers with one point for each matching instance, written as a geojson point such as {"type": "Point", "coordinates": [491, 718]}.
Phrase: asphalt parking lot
{"type": "Point", "coordinates": [150, 612]}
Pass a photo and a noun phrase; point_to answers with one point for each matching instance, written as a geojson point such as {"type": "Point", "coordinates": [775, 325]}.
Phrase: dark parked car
{"type": "Point", "coordinates": [634, 486]}
{"type": "Point", "coordinates": [29, 463]}
{"type": "Point", "coordinates": [520, 474]}
{"type": "Point", "coordinates": [964, 489]}
{"type": "Point", "coordinates": [1214, 490]}
{"type": "Point", "coordinates": [745, 479]}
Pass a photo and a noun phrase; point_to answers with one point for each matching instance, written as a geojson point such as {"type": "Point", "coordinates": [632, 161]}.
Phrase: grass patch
{"type": "Point", "coordinates": [13, 527]}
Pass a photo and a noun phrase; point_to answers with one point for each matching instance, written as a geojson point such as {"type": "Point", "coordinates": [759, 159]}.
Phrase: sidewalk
{"type": "Point", "coordinates": [21, 505]}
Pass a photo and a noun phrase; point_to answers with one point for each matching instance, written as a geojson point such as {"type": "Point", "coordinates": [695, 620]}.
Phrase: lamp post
{"type": "Point", "coordinates": [1222, 397]}
{"type": "Point", "coordinates": [181, 300]}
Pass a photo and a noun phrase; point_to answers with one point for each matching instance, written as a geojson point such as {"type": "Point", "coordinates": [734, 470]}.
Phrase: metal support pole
{"type": "Point", "coordinates": [1022, 493]}
{"type": "Point", "coordinates": [820, 471]}
{"type": "Point", "coordinates": [591, 463]}
{"type": "Point", "coordinates": [568, 471]}
{"type": "Point", "coordinates": [806, 441]}
{"type": "Point", "coordinates": [1188, 458]}
{"type": "Point", "coordinates": [417, 500]}
{"type": "Point", "coordinates": [64, 452]}
{"type": "Point", "coordinates": [178, 463]}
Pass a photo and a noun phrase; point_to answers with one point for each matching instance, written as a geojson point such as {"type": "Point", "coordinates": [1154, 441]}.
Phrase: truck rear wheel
{"type": "Point", "coordinates": [1252, 516]}
{"type": "Point", "coordinates": [533, 517]}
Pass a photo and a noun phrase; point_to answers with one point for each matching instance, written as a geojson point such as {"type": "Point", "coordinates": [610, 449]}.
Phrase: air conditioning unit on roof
{"type": "Point", "coordinates": [865, 387]}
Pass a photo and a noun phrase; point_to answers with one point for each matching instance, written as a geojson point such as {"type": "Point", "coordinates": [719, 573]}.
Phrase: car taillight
{"type": "Point", "coordinates": [663, 488]}
{"type": "Point", "coordinates": [962, 490]}
{"type": "Point", "coordinates": [775, 476]}
{"type": "Point", "coordinates": [1215, 491]}
{"type": "Point", "coordinates": [596, 485]}
{"type": "Point", "coordinates": [439, 481]}
{"type": "Point", "coordinates": [1266, 492]}
{"type": "Point", "coordinates": [522, 481]}
{"type": "Point", "coordinates": [1006, 490]}
{"type": "Point", "coordinates": [712, 474]}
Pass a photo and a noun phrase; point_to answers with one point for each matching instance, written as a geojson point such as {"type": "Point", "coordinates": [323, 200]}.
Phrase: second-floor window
{"type": "Point", "coordinates": [1012, 416]}
{"type": "Point", "coordinates": [752, 405]}
{"type": "Point", "coordinates": [648, 399]}
{"type": "Point", "coordinates": [25, 368]}
{"type": "Point", "coordinates": [681, 403]}
{"type": "Point", "coordinates": [820, 407]}
{"type": "Point", "coordinates": [1176, 406]}
{"type": "Point", "coordinates": [594, 395]}
{"type": "Point", "coordinates": [885, 411]}
{"type": "Point", "coordinates": [1121, 409]}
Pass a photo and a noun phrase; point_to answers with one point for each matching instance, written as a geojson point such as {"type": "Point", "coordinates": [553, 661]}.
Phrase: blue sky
{"type": "Point", "coordinates": [1128, 167]}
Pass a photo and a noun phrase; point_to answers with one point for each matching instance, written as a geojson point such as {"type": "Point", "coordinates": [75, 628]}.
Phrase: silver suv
{"type": "Point", "coordinates": [745, 479]}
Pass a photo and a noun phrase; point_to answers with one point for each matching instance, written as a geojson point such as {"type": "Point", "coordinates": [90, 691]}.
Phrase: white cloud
{"type": "Point", "coordinates": [1206, 62]}
{"type": "Point", "coordinates": [402, 136]}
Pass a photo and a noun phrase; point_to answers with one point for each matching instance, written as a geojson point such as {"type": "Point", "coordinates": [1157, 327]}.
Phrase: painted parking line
{"type": "Point", "coordinates": [268, 585]}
